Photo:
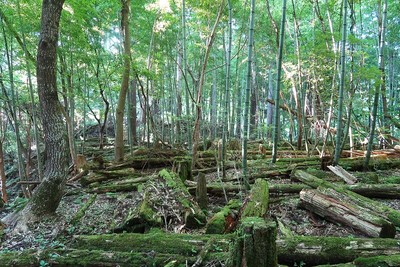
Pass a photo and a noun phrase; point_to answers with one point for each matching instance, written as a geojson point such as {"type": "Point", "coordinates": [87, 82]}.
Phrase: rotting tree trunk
{"type": "Point", "coordinates": [323, 250]}
{"type": "Point", "coordinates": [337, 207]}
{"type": "Point", "coordinates": [119, 127]}
{"type": "Point", "coordinates": [47, 197]}
{"type": "Point", "coordinates": [314, 182]}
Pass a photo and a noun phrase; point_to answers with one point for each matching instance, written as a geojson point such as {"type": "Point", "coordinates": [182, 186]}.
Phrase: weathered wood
{"type": "Point", "coordinates": [314, 182]}
{"type": "Point", "coordinates": [255, 245]}
{"type": "Point", "coordinates": [337, 207]}
{"type": "Point", "coordinates": [342, 173]}
{"type": "Point", "coordinates": [201, 191]}
{"type": "Point", "coordinates": [323, 250]}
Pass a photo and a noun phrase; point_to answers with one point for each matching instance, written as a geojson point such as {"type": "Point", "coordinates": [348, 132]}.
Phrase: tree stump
{"type": "Point", "coordinates": [183, 167]}
{"type": "Point", "coordinates": [201, 191]}
{"type": "Point", "coordinates": [256, 244]}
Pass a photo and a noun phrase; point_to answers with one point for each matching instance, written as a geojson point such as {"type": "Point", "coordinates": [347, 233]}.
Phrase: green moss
{"type": "Point", "coordinates": [182, 244]}
{"type": "Point", "coordinates": [216, 225]}
{"type": "Point", "coordinates": [381, 261]}
{"type": "Point", "coordinates": [394, 179]}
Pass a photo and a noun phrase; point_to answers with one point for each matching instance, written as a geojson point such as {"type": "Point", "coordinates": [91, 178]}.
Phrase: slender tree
{"type": "Point", "coordinates": [339, 131]}
{"type": "Point", "coordinates": [196, 131]}
{"type": "Point", "coordinates": [378, 85]}
{"type": "Point", "coordinates": [275, 133]}
{"type": "Point", "coordinates": [247, 96]}
{"type": "Point", "coordinates": [119, 127]}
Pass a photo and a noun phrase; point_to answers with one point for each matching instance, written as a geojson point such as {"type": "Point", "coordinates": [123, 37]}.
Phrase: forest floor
{"type": "Point", "coordinates": [110, 209]}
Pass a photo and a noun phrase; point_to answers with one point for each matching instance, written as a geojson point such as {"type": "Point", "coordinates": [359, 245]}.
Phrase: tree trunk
{"type": "Point", "coordinates": [46, 198]}
{"type": "Point", "coordinates": [245, 136]}
{"type": "Point", "coordinates": [119, 127]}
{"type": "Point", "coordinates": [196, 130]}
{"type": "Point", "coordinates": [278, 86]}
{"type": "Point", "coordinates": [339, 138]}
{"type": "Point", "coordinates": [4, 195]}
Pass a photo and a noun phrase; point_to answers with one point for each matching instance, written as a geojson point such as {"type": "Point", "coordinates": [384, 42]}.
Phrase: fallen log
{"type": "Point", "coordinates": [337, 207]}
{"type": "Point", "coordinates": [308, 249]}
{"type": "Point", "coordinates": [332, 250]}
{"type": "Point", "coordinates": [92, 258]}
{"type": "Point", "coordinates": [314, 182]}
{"type": "Point", "coordinates": [157, 241]}
{"type": "Point", "coordinates": [342, 173]}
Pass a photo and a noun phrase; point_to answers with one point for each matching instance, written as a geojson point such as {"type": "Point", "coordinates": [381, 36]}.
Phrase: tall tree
{"type": "Point", "coordinates": [338, 148]}
{"type": "Point", "coordinates": [247, 96]}
{"type": "Point", "coordinates": [196, 131]}
{"type": "Point", "coordinates": [119, 127]}
{"type": "Point", "coordinates": [275, 133]}
{"type": "Point", "coordinates": [378, 85]}
{"type": "Point", "coordinates": [47, 196]}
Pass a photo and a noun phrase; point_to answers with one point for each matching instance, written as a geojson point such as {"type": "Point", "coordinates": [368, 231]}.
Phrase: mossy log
{"type": "Point", "coordinates": [314, 182]}
{"type": "Point", "coordinates": [357, 164]}
{"type": "Point", "coordinates": [143, 163]}
{"type": "Point", "coordinates": [255, 245]}
{"type": "Point", "coordinates": [332, 250]}
{"type": "Point", "coordinates": [159, 242]}
{"type": "Point", "coordinates": [225, 220]}
{"type": "Point", "coordinates": [390, 191]}
{"type": "Point", "coordinates": [83, 209]}
{"type": "Point", "coordinates": [257, 202]}
{"type": "Point", "coordinates": [337, 207]}
{"type": "Point", "coordinates": [381, 261]}
{"type": "Point", "coordinates": [308, 249]}
{"type": "Point", "coordinates": [100, 176]}
{"type": "Point", "coordinates": [95, 258]}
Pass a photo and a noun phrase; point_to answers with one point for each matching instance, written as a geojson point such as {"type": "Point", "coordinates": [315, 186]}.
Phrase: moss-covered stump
{"type": "Point", "coordinates": [225, 220]}
{"type": "Point", "coordinates": [77, 258]}
{"type": "Point", "coordinates": [159, 242]}
{"type": "Point", "coordinates": [183, 167]}
{"type": "Point", "coordinates": [332, 250]}
{"type": "Point", "coordinates": [255, 245]}
{"type": "Point", "coordinates": [258, 200]}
